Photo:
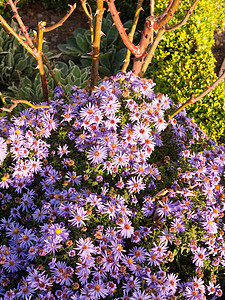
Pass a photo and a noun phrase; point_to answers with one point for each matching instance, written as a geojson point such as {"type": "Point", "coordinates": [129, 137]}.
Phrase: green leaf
{"type": "Point", "coordinates": [112, 35]}
{"type": "Point", "coordinates": [76, 72]}
{"type": "Point", "coordinates": [105, 59]}
{"type": "Point", "coordinates": [82, 44]}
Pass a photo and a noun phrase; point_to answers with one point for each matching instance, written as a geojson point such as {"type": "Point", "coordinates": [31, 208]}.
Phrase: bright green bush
{"type": "Point", "coordinates": [184, 65]}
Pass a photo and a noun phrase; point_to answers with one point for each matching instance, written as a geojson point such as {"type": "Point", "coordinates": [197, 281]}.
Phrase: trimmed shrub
{"type": "Point", "coordinates": [184, 65]}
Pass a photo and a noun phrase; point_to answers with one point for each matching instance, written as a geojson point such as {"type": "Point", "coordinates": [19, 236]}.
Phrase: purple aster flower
{"type": "Point", "coordinates": [178, 225]}
{"type": "Point", "coordinates": [142, 131]}
{"type": "Point", "coordinates": [104, 89]}
{"type": "Point", "coordinates": [98, 290]}
{"type": "Point", "coordinates": [138, 254]}
{"type": "Point", "coordinates": [49, 122]}
{"type": "Point", "coordinates": [120, 184]}
{"type": "Point", "coordinates": [59, 231]}
{"type": "Point", "coordinates": [71, 253]}
{"type": "Point", "coordinates": [154, 258]}
{"type": "Point", "coordinates": [110, 105]}
{"type": "Point", "coordinates": [137, 295]}
{"type": "Point", "coordinates": [72, 176]}
{"type": "Point", "coordinates": [112, 121]}
{"type": "Point", "coordinates": [97, 154]}
{"type": "Point", "coordinates": [165, 208]}
{"type": "Point", "coordinates": [85, 247]}
{"type": "Point", "coordinates": [210, 225]}
{"type": "Point", "coordinates": [25, 292]}
{"type": "Point", "coordinates": [88, 112]}
{"type": "Point", "coordinates": [39, 215]}
{"type": "Point", "coordinates": [135, 185]}
{"type": "Point", "coordinates": [63, 150]}
{"type": "Point", "coordinates": [125, 229]}
{"type": "Point", "coordinates": [133, 284]}
{"type": "Point", "coordinates": [27, 238]}
{"type": "Point", "coordinates": [12, 263]}
{"type": "Point", "coordinates": [120, 160]}
{"type": "Point", "coordinates": [79, 216]}
{"type": "Point", "coordinates": [199, 256]}
{"type": "Point", "coordinates": [5, 181]}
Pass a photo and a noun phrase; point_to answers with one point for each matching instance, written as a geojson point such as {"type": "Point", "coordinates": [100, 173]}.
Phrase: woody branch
{"type": "Point", "coordinates": [26, 41]}
{"type": "Point", "coordinates": [169, 10]}
{"type": "Point", "coordinates": [194, 99]}
{"type": "Point", "coordinates": [96, 44]}
{"type": "Point", "coordinates": [151, 24]}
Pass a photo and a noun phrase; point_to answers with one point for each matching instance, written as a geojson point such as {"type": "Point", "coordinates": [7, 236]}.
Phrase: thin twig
{"type": "Point", "coordinates": [16, 102]}
{"type": "Point", "coordinates": [194, 99]}
{"type": "Point", "coordinates": [60, 23]}
{"type": "Point", "coordinates": [152, 13]}
{"type": "Point", "coordinates": [11, 30]}
{"type": "Point", "coordinates": [85, 4]}
{"type": "Point", "coordinates": [21, 24]}
{"type": "Point", "coordinates": [189, 12]}
{"type": "Point", "coordinates": [38, 56]}
{"type": "Point", "coordinates": [115, 15]}
{"type": "Point", "coordinates": [164, 18]}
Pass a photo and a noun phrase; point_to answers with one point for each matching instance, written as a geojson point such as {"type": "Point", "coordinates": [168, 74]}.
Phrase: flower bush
{"type": "Point", "coordinates": [103, 198]}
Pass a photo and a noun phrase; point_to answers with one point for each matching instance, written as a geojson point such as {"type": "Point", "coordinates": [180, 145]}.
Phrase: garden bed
{"type": "Point", "coordinates": [36, 12]}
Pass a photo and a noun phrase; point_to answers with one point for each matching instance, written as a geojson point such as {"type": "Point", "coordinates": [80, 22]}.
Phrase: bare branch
{"type": "Point", "coordinates": [21, 24]}
{"type": "Point", "coordinates": [166, 17]}
{"type": "Point", "coordinates": [167, 9]}
{"type": "Point", "coordinates": [115, 15]}
{"type": "Point", "coordinates": [152, 13]}
{"type": "Point", "coordinates": [151, 51]}
{"type": "Point", "coordinates": [189, 12]}
{"type": "Point", "coordinates": [60, 23]}
{"type": "Point", "coordinates": [86, 6]}
{"type": "Point", "coordinates": [96, 44]}
{"type": "Point", "coordinates": [194, 99]}
{"type": "Point", "coordinates": [16, 102]}
{"type": "Point", "coordinates": [131, 34]}
{"type": "Point", "coordinates": [152, 8]}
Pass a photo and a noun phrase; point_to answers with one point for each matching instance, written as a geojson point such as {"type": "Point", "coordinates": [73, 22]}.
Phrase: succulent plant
{"type": "Point", "coordinates": [67, 75]}
{"type": "Point", "coordinates": [14, 59]}
{"type": "Point", "coordinates": [112, 52]}
{"type": "Point", "coordinates": [15, 62]}
{"type": "Point", "coordinates": [19, 77]}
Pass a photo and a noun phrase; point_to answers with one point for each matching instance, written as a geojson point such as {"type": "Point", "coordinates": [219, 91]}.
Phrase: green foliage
{"type": "Point", "coordinates": [112, 52]}
{"type": "Point", "coordinates": [67, 75]}
{"type": "Point", "coordinates": [15, 61]}
{"type": "Point", "coordinates": [19, 77]}
{"type": "Point", "coordinates": [184, 65]}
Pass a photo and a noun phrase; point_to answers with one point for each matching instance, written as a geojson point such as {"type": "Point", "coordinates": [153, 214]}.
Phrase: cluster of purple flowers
{"type": "Point", "coordinates": [102, 197]}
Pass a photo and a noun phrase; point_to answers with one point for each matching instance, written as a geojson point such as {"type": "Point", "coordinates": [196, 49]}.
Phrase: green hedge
{"type": "Point", "coordinates": [184, 65]}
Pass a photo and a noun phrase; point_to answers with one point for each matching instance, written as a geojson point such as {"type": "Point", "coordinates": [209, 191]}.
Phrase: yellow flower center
{"type": "Point", "coordinates": [58, 231]}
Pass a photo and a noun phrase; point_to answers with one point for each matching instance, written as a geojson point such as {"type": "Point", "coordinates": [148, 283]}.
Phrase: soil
{"type": "Point", "coordinates": [34, 13]}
